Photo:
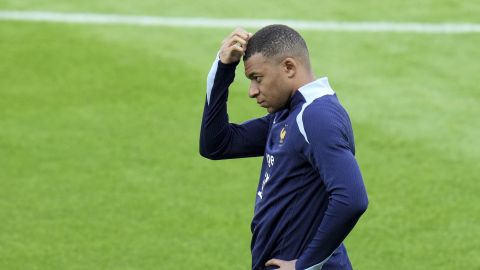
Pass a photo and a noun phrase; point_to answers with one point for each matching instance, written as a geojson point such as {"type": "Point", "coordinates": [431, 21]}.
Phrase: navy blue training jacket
{"type": "Point", "coordinates": [310, 192]}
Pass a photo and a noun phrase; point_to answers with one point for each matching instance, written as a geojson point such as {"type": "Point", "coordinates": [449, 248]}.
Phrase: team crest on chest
{"type": "Point", "coordinates": [283, 134]}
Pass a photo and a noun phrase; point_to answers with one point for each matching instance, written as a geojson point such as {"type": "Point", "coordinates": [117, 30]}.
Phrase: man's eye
{"type": "Point", "coordinates": [258, 79]}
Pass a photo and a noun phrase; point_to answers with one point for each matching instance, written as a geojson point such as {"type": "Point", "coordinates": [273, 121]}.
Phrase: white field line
{"type": "Point", "coordinates": [89, 18]}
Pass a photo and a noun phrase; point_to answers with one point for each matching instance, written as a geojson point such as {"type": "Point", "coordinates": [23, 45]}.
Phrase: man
{"type": "Point", "coordinates": [311, 191]}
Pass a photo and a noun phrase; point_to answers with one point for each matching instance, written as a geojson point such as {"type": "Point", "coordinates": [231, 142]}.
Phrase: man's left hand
{"type": "Point", "coordinates": [284, 265]}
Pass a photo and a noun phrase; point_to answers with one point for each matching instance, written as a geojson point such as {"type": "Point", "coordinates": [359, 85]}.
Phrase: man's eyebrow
{"type": "Point", "coordinates": [251, 75]}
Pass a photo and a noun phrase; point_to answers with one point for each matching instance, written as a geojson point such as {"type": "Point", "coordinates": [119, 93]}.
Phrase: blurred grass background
{"type": "Point", "coordinates": [99, 164]}
{"type": "Point", "coordinates": [408, 10]}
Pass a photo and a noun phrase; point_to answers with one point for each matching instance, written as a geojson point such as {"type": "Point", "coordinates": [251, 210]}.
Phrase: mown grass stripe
{"type": "Point", "coordinates": [90, 18]}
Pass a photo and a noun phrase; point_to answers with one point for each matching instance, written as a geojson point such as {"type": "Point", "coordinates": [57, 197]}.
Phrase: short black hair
{"type": "Point", "coordinates": [277, 40]}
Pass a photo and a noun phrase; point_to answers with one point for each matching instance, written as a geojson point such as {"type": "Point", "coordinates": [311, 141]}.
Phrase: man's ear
{"type": "Point", "coordinates": [289, 66]}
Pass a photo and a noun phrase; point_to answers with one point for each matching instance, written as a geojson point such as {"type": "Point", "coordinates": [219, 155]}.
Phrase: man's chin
{"type": "Point", "coordinates": [272, 110]}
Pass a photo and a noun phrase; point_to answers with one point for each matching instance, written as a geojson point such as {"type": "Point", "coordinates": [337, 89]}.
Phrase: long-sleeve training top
{"type": "Point", "coordinates": [310, 192]}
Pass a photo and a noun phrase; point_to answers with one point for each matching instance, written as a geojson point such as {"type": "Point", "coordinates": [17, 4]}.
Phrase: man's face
{"type": "Point", "coordinates": [268, 82]}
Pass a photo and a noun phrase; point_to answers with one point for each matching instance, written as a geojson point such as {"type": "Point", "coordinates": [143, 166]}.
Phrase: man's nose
{"type": "Point", "coordinates": [253, 91]}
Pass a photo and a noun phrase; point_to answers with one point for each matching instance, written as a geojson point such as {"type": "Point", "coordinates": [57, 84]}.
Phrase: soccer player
{"type": "Point", "coordinates": [311, 193]}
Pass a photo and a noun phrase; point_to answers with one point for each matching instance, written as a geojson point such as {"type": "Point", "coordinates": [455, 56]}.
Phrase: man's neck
{"type": "Point", "coordinates": [307, 78]}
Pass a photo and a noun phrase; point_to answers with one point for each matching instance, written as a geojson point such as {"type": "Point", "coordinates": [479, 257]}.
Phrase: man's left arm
{"type": "Point", "coordinates": [330, 147]}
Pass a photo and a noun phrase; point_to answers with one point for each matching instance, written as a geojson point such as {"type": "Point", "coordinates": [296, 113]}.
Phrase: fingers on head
{"type": "Point", "coordinates": [242, 33]}
{"type": "Point", "coordinates": [238, 49]}
{"type": "Point", "coordinates": [238, 41]}
{"type": "Point", "coordinates": [235, 40]}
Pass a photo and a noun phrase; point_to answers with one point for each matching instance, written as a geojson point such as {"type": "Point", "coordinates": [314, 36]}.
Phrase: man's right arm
{"type": "Point", "coordinates": [220, 139]}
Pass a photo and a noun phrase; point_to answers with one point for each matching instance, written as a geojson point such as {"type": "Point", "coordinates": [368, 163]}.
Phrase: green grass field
{"type": "Point", "coordinates": [99, 125]}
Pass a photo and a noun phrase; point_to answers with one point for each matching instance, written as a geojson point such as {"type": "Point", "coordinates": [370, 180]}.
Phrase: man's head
{"type": "Point", "coordinates": [277, 63]}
